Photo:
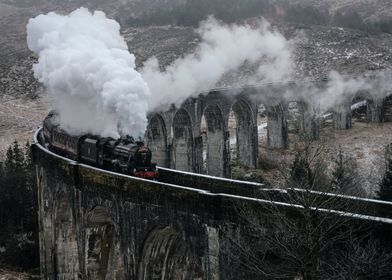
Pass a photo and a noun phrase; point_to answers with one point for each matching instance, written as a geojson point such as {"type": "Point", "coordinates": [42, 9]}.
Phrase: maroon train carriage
{"type": "Point", "coordinates": [123, 155]}
{"type": "Point", "coordinates": [58, 140]}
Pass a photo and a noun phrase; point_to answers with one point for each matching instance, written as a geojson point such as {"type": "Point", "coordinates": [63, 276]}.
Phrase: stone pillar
{"type": "Point", "coordinates": [375, 110]}
{"type": "Point", "coordinates": [342, 116]}
{"type": "Point", "coordinates": [213, 253]}
{"type": "Point", "coordinates": [309, 122]}
{"type": "Point", "coordinates": [170, 161]}
{"type": "Point", "coordinates": [277, 128]}
{"type": "Point", "coordinates": [226, 155]}
{"type": "Point", "coordinates": [58, 227]}
{"type": "Point", "coordinates": [198, 158]}
{"type": "Point", "coordinates": [255, 143]}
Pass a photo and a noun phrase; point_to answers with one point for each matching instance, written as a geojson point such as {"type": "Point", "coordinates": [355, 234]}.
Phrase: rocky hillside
{"type": "Point", "coordinates": [371, 10]}
{"type": "Point", "coordinates": [319, 49]}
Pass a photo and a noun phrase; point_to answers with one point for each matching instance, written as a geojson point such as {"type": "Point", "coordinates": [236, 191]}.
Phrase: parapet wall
{"type": "Point", "coordinates": [210, 183]}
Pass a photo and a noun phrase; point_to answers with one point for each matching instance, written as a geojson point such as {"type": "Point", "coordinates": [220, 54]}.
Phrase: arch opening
{"type": "Point", "coordinates": [182, 141]}
{"type": "Point", "coordinates": [361, 108]}
{"type": "Point", "coordinates": [232, 128]}
{"type": "Point", "coordinates": [157, 140]}
{"type": "Point", "coordinates": [262, 136]}
{"type": "Point", "coordinates": [262, 122]}
{"type": "Point", "coordinates": [386, 105]}
{"type": "Point", "coordinates": [293, 117]}
{"type": "Point", "coordinates": [165, 255]}
{"type": "Point", "coordinates": [102, 249]}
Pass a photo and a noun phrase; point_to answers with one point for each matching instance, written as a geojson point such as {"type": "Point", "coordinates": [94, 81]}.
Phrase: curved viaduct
{"type": "Point", "coordinates": [196, 136]}
{"type": "Point", "coordinates": [97, 224]}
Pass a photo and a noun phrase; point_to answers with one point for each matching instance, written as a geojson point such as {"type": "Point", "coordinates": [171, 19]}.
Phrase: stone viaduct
{"type": "Point", "coordinates": [97, 224]}
{"type": "Point", "coordinates": [196, 136]}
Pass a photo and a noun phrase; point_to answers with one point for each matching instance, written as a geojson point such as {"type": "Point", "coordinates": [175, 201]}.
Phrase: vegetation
{"type": "Point", "coordinates": [344, 176]}
{"type": "Point", "coordinates": [300, 242]}
{"type": "Point", "coordinates": [385, 192]}
{"type": "Point", "coordinates": [353, 20]}
{"type": "Point", "coordinates": [18, 210]}
{"type": "Point", "coordinates": [192, 12]}
{"type": "Point", "coordinates": [305, 14]}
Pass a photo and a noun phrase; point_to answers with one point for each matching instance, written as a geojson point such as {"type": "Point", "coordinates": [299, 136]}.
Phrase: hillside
{"type": "Point", "coordinates": [320, 48]}
{"type": "Point", "coordinates": [371, 10]}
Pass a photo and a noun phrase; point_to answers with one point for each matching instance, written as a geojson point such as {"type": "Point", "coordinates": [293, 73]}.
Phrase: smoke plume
{"type": "Point", "coordinates": [223, 48]}
{"type": "Point", "coordinates": [84, 62]}
{"type": "Point", "coordinates": [340, 89]}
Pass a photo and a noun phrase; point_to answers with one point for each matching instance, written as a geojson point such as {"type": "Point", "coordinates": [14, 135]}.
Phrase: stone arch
{"type": "Point", "coordinates": [102, 251]}
{"type": "Point", "coordinates": [245, 133]}
{"type": "Point", "coordinates": [386, 105]}
{"type": "Point", "coordinates": [214, 140]}
{"type": "Point", "coordinates": [157, 140]}
{"type": "Point", "coordinates": [361, 107]}
{"type": "Point", "coordinates": [182, 141]}
{"type": "Point", "coordinates": [294, 110]}
{"type": "Point", "coordinates": [165, 255]}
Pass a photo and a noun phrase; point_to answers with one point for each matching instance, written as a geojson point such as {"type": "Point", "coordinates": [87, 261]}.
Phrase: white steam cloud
{"type": "Point", "coordinates": [223, 48]}
{"type": "Point", "coordinates": [84, 62]}
{"type": "Point", "coordinates": [340, 90]}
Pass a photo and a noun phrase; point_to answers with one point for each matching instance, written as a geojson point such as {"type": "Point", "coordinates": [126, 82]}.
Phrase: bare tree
{"type": "Point", "coordinates": [302, 238]}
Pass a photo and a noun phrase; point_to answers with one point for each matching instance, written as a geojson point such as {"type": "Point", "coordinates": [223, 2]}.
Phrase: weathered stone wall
{"type": "Point", "coordinates": [98, 225]}
{"type": "Point", "coordinates": [277, 128]}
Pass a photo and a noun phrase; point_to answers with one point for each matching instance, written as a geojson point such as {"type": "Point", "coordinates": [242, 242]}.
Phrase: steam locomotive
{"type": "Point", "coordinates": [123, 155]}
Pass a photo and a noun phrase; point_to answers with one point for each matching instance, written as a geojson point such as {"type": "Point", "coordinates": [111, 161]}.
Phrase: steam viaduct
{"type": "Point", "coordinates": [96, 224]}
{"type": "Point", "coordinates": [179, 141]}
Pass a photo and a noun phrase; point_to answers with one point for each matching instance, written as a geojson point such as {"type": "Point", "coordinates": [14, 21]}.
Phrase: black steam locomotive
{"type": "Point", "coordinates": [123, 155]}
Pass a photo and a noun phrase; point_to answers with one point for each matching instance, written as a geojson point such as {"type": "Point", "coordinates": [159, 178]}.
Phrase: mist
{"type": "Point", "coordinates": [85, 64]}
{"type": "Point", "coordinates": [341, 89]}
{"type": "Point", "coordinates": [223, 48]}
